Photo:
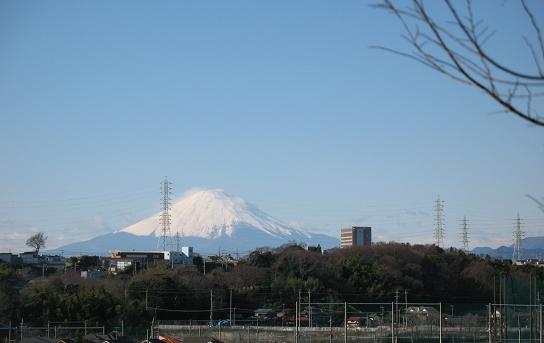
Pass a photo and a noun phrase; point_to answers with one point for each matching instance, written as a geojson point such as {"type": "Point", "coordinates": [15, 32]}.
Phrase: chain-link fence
{"type": "Point", "coordinates": [325, 322]}
{"type": "Point", "coordinates": [375, 322]}
{"type": "Point", "coordinates": [56, 331]}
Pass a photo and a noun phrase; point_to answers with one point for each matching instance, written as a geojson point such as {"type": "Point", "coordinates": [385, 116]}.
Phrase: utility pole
{"type": "Point", "coordinates": [439, 222]}
{"type": "Point", "coordinates": [177, 242]}
{"type": "Point", "coordinates": [397, 304]}
{"type": "Point", "coordinates": [464, 235]}
{"type": "Point", "coordinates": [146, 291]}
{"type": "Point", "coordinates": [405, 308]}
{"type": "Point", "coordinates": [283, 314]}
{"type": "Point", "coordinates": [230, 308]}
{"type": "Point", "coordinates": [211, 307]}
{"type": "Point", "coordinates": [164, 218]}
{"type": "Point", "coordinates": [298, 311]}
{"type": "Point", "coordinates": [518, 238]}
{"type": "Point", "coordinates": [309, 308]}
{"type": "Point", "coordinates": [299, 300]}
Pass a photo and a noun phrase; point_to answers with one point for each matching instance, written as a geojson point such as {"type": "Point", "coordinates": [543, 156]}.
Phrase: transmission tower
{"type": "Point", "coordinates": [164, 218]}
{"type": "Point", "coordinates": [464, 234]}
{"type": "Point", "coordinates": [439, 222]}
{"type": "Point", "coordinates": [518, 238]}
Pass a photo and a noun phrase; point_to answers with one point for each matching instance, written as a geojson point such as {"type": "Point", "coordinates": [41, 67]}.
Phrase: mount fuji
{"type": "Point", "coordinates": [208, 220]}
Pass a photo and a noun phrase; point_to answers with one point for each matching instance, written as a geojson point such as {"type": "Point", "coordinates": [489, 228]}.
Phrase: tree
{"type": "Point", "coordinates": [455, 46]}
{"type": "Point", "coordinates": [37, 241]}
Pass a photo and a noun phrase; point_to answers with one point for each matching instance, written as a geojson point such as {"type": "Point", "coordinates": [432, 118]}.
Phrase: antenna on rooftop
{"type": "Point", "coordinates": [164, 217]}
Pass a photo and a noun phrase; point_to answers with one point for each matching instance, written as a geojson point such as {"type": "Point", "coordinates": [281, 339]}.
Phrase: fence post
{"type": "Point", "coordinates": [489, 322]}
{"type": "Point", "coordinates": [345, 322]}
{"type": "Point", "coordinates": [330, 328]}
{"type": "Point", "coordinates": [9, 332]}
{"type": "Point", "coordinates": [392, 322]}
{"type": "Point", "coordinates": [55, 332]}
{"type": "Point", "coordinates": [440, 335]}
{"type": "Point", "coordinates": [297, 315]}
{"type": "Point", "coordinates": [85, 324]}
{"type": "Point", "coordinates": [22, 323]}
{"type": "Point", "coordinates": [540, 326]}
{"type": "Point", "coordinates": [122, 327]}
{"type": "Point", "coordinates": [48, 329]}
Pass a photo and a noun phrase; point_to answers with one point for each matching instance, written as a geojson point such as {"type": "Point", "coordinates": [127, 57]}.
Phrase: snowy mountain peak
{"type": "Point", "coordinates": [212, 213]}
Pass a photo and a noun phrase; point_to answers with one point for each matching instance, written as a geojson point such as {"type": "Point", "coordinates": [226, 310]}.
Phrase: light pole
{"type": "Point", "coordinates": [451, 318]}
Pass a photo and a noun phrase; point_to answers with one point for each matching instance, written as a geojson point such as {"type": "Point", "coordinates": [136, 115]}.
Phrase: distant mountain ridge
{"type": "Point", "coordinates": [532, 247]}
{"type": "Point", "coordinates": [210, 220]}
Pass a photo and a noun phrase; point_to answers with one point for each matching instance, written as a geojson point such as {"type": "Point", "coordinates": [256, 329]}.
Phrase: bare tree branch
{"type": "Point", "coordinates": [535, 26]}
{"type": "Point", "coordinates": [459, 54]}
{"type": "Point", "coordinates": [478, 48]}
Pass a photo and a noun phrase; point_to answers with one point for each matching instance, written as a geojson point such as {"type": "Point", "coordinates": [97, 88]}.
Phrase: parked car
{"type": "Point", "coordinates": [221, 322]}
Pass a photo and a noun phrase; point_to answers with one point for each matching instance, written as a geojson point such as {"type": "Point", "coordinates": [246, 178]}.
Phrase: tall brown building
{"type": "Point", "coordinates": [355, 235]}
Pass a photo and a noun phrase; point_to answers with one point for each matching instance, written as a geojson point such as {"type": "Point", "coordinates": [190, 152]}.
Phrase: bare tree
{"type": "Point", "coordinates": [37, 241]}
{"type": "Point", "coordinates": [456, 47]}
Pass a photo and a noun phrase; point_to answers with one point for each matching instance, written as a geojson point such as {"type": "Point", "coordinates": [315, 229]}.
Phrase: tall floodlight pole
{"type": "Point", "coordinates": [439, 222]}
{"type": "Point", "coordinates": [518, 238]}
{"type": "Point", "coordinates": [464, 235]}
{"type": "Point", "coordinates": [164, 218]}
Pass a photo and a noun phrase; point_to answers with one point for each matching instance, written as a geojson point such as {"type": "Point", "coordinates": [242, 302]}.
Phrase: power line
{"type": "Point", "coordinates": [95, 198]}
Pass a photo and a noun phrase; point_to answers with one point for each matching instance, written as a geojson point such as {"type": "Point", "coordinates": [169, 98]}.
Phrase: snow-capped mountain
{"type": "Point", "coordinates": [208, 220]}
{"type": "Point", "coordinates": [212, 213]}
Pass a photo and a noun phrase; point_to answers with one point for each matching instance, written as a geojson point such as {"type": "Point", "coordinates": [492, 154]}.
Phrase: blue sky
{"type": "Point", "coordinates": [280, 102]}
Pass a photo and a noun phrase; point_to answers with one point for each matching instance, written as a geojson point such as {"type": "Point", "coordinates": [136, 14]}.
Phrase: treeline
{"type": "Point", "coordinates": [265, 278]}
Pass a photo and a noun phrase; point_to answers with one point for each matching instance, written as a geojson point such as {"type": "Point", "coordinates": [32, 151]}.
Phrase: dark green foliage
{"type": "Point", "coordinates": [270, 278]}
{"type": "Point", "coordinates": [9, 299]}
{"type": "Point", "coordinates": [54, 300]}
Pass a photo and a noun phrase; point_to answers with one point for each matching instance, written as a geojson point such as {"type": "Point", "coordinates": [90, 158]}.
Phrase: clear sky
{"type": "Point", "coordinates": [280, 102]}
